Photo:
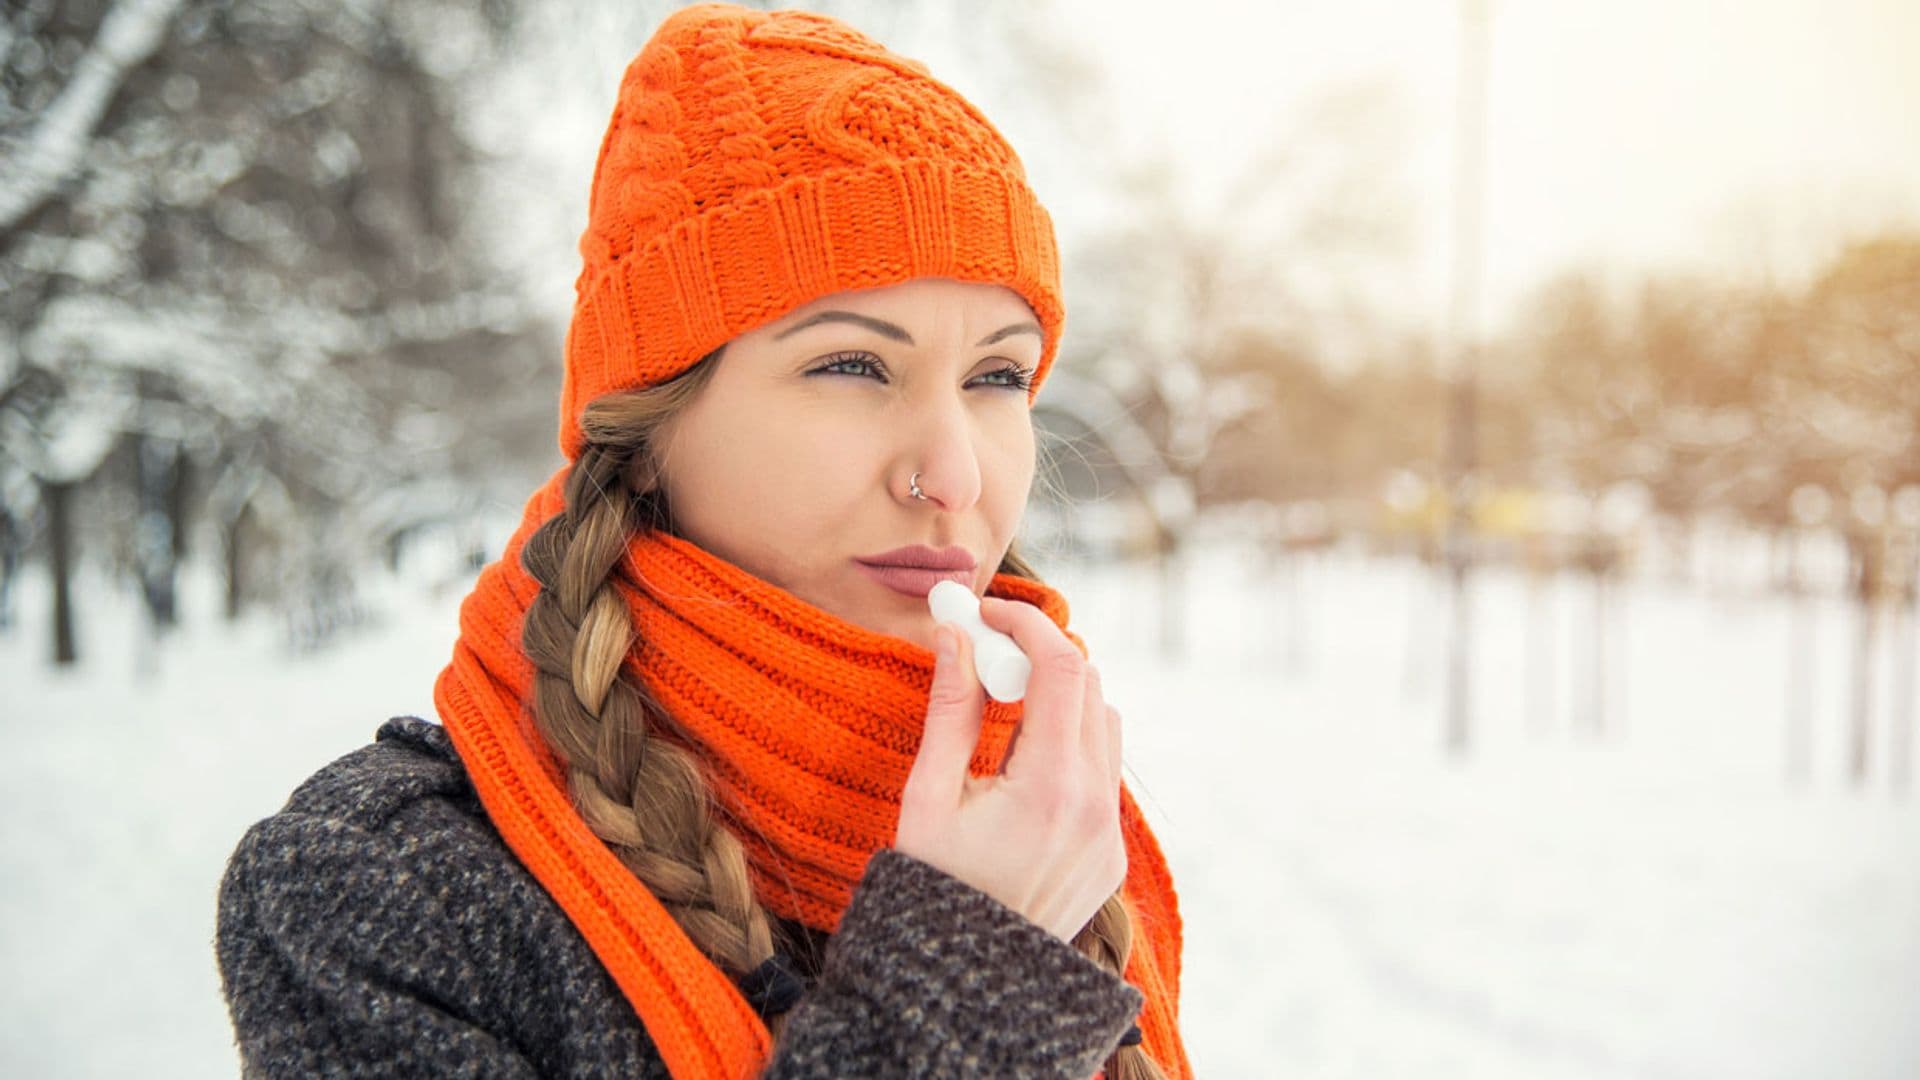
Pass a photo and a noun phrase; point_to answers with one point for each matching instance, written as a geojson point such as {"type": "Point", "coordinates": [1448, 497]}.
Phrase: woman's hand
{"type": "Point", "coordinates": [1042, 836]}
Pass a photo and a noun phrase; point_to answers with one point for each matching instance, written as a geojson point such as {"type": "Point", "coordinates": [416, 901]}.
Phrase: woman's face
{"type": "Point", "coordinates": [793, 462]}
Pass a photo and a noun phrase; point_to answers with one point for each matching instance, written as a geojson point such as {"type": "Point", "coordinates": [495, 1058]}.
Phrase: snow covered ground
{"type": "Point", "coordinates": [1659, 902]}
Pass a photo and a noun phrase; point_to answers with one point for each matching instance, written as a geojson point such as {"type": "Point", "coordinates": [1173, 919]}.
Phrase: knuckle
{"type": "Point", "coordinates": [1064, 662]}
{"type": "Point", "coordinates": [1097, 816]}
{"type": "Point", "coordinates": [948, 696]}
{"type": "Point", "coordinates": [1061, 807]}
{"type": "Point", "coordinates": [917, 805]}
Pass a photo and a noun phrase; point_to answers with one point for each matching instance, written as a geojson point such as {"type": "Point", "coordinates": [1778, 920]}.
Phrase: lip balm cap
{"type": "Point", "coordinates": [951, 601]}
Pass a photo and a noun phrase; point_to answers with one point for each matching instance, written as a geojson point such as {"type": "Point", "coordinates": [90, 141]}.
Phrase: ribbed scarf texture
{"type": "Point", "coordinates": [809, 725]}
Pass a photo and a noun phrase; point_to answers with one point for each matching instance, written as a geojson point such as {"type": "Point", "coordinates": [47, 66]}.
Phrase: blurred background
{"type": "Point", "coordinates": [1483, 459]}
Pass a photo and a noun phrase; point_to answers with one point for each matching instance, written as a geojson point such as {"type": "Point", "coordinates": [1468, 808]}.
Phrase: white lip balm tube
{"type": "Point", "coordinates": [1001, 666]}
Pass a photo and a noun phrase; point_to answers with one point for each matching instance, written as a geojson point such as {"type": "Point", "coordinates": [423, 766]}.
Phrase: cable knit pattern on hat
{"type": "Point", "coordinates": [759, 160]}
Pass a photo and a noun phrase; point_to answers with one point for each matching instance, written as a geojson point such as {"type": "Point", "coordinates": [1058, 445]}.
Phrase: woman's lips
{"type": "Point", "coordinates": [914, 581]}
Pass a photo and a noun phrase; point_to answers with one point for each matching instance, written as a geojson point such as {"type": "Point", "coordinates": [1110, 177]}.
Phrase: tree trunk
{"type": "Point", "coordinates": [1596, 724]}
{"type": "Point", "coordinates": [1900, 764]}
{"type": "Point", "coordinates": [1537, 684]}
{"type": "Point", "coordinates": [1172, 643]}
{"type": "Point", "coordinates": [230, 534]}
{"type": "Point", "coordinates": [179, 497]}
{"type": "Point", "coordinates": [1459, 652]}
{"type": "Point", "coordinates": [1867, 572]}
{"type": "Point", "coordinates": [157, 529]}
{"type": "Point", "coordinates": [9, 562]}
{"type": "Point", "coordinates": [57, 497]}
{"type": "Point", "coordinates": [1905, 596]}
{"type": "Point", "coordinates": [1799, 671]}
{"type": "Point", "coordinates": [1422, 582]}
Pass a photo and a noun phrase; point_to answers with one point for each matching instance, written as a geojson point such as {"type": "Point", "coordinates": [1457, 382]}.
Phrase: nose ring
{"type": "Point", "coordinates": [913, 485]}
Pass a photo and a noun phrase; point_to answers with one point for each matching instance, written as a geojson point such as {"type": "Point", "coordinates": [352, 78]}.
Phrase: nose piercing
{"type": "Point", "coordinates": [913, 485]}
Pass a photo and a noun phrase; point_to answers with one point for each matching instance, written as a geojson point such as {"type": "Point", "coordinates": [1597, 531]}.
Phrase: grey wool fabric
{"type": "Point", "coordinates": [378, 925]}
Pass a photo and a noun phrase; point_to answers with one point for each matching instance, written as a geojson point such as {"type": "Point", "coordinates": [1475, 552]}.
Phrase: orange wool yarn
{"type": "Point", "coordinates": [758, 160]}
{"type": "Point", "coordinates": [809, 726]}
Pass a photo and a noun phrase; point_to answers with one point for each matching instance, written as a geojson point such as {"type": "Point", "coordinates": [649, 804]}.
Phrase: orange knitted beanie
{"type": "Point", "coordinates": [760, 160]}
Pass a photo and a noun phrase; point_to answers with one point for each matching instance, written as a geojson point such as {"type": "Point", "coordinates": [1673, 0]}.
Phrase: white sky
{"type": "Point", "coordinates": [1734, 136]}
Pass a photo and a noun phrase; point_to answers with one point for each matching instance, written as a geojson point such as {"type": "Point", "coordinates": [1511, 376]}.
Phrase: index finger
{"type": "Point", "coordinates": [1050, 718]}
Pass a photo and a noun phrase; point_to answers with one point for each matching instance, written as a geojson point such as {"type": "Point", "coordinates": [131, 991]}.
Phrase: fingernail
{"type": "Point", "coordinates": [943, 642]}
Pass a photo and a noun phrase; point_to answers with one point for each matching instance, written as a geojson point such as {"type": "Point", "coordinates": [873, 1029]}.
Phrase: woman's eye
{"type": "Point", "coordinates": [1015, 376]}
{"type": "Point", "coordinates": [853, 358]}
{"type": "Point", "coordinates": [1019, 378]}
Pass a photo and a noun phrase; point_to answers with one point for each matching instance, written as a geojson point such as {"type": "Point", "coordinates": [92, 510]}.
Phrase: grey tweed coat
{"type": "Point", "coordinates": [378, 925]}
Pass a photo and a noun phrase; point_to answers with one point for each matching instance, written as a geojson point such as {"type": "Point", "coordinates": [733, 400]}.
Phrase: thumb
{"type": "Point", "coordinates": [954, 708]}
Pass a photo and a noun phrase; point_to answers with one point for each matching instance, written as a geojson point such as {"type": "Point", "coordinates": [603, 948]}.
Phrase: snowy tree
{"type": "Point", "coordinates": [1863, 323]}
{"type": "Point", "coordinates": [1205, 316]}
{"type": "Point", "coordinates": [235, 245]}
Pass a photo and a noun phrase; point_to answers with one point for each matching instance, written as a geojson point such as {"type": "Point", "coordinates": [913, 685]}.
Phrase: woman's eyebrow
{"type": "Point", "coordinates": [1009, 331]}
{"type": "Point", "coordinates": [887, 329]}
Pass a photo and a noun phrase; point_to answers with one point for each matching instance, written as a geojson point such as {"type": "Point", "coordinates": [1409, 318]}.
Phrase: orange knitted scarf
{"type": "Point", "coordinates": [810, 725]}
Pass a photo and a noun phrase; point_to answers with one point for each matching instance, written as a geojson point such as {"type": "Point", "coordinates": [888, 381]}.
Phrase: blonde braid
{"type": "Point", "coordinates": [1108, 940]}
{"type": "Point", "coordinates": [645, 796]}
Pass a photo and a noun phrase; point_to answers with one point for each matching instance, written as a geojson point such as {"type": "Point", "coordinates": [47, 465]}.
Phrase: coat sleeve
{"type": "Point", "coordinates": [928, 976]}
{"type": "Point", "coordinates": [351, 950]}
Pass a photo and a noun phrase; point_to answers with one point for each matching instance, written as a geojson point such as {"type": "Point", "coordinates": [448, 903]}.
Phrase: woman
{"type": "Point", "coordinates": [712, 797]}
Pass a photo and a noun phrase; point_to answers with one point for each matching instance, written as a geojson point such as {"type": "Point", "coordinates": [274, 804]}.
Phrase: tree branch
{"type": "Point", "coordinates": [129, 34]}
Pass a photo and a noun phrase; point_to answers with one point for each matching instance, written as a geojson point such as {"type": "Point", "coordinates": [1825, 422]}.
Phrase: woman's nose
{"type": "Point", "coordinates": [944, 455]}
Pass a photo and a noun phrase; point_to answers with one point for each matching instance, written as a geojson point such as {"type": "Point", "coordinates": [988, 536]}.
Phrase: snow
{"type": "Point", "coordinates": [1657, 902]}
